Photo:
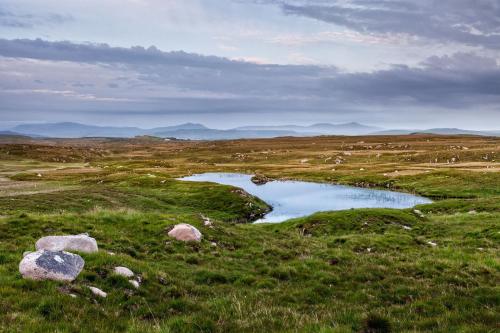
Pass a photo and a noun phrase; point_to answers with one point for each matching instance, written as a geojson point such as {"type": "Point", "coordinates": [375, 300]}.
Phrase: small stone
{"type": "Point", "coordinates": [214, 244]}
{"type": "Point", "coordinates": [206, 221]}
{"type": "Point", "coordinates": [418, 212]}
{"type": "Point", "coordinates": [124, 271]}
{"type": "Point", "coordinates": [185, 232]}
{"type": "Point", "coordinates": [406, 227]}
{"type": "Point", "coordinates": [98, 292]}
{"type": "Point", "coordinates": [431, 243]}
{"type": "Point", "coordinates": [473, 212]}
{"type": "Point", "coordinates": [134, 283]}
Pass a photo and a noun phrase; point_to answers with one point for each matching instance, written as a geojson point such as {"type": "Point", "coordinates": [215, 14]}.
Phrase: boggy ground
{"type": "Point", "coordinates": [370, 270]}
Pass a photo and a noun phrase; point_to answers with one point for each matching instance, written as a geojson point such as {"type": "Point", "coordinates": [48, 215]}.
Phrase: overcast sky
{"type": "Point", "coordinates": [226, 63]}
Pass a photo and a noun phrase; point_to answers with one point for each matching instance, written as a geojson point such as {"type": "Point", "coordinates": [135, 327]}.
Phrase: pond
{"type": "Point", "coordinates": [291, 199]}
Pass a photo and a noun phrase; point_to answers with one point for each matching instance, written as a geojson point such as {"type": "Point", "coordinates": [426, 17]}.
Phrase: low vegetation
{"type": "Point", "coordinates": [367, 270]}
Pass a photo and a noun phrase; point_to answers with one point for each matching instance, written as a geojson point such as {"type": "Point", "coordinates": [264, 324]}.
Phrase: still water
{"type": "Point", "coordinates": [291, 199]}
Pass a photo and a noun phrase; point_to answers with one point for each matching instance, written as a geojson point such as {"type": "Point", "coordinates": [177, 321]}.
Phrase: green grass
{"type": "Point", "coordinates": [319, 273]}
{"type": "Point", "coordinates": [363, 270]}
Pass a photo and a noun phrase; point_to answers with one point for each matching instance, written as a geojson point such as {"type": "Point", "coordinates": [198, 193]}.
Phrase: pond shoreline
{"type": "Point", "coordinates": [293, 198]}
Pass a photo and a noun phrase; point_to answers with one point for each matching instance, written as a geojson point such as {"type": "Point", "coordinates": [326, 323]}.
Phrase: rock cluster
{"type": "Point", "coordinates": [51, 261]}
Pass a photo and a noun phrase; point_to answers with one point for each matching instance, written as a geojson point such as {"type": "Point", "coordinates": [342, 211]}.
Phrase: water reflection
{"type": "Point", "coordinates": [291, 199]}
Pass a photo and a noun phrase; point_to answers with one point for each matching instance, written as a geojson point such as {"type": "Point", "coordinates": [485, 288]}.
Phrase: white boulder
{"type": "Point", "coordinates": [51, 265]}
{"type": "Point", "coordinates": [185, 232]}
{"type": "Point", "coordinates": [80, 243]}
{"type": "Point", "coordinates": [124, 271]}
{"type": "Point", "coordinates": [98, 292]}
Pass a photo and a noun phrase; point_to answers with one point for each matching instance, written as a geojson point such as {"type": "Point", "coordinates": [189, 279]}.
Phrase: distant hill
{"type": "Point", "coordinates": [440, 131]}
{"type": "Point", "coordinates": [319, 129]}
{"type": "Point", "coordinates": [193, 131]}
{"type": "Point", "coordinates": [213, 134]}
{"type": "Point", "coordinates": [186, 126]}
{"type": "Point", "coordinates": [76, 130]}
{"type": "Point", "coordinates": [10, 133]}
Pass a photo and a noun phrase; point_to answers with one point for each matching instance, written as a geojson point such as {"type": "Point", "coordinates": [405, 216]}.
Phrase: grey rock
{"type": "Point", "coordinates": [81, 243]}
{"type": "Point", "coordinates": [51, 265]}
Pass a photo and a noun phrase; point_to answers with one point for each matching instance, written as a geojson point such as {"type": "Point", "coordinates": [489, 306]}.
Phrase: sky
{"type": "Point", "coordinates": [227, 63]}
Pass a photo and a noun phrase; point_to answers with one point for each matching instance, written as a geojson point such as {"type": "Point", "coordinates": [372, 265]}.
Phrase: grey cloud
{"type": "Point", "coordinates": [184, 70]}
{"type": "Point", "coordinates": [182, 83]}
{"type": "Point", "coordinates": [475, 23]}
{"type": "Point", "coordinates": [22, 20]}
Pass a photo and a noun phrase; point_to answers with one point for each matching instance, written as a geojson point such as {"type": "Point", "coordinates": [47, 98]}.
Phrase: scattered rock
{"type": "Point", "coordinates": [81, 243]}
{"type": "Point", "coordinates": [260, 179]}
{"type": "Point", "coordinates": [406, 227]}
{"type": "Point", "coordinates": [185, 232]}
{"type": "Point", "coordinates": [431, 243]}
{"type": "Point", "coordinates": [98, 292]}
{"type": "Point", "coordinates": [124, 271]}
{"type": "Point", "coordinates": [418, 212]}
{"type": "Point", "coordinates": [206, 221]}
{"type": "Point", "coordinates": [51, 265]}
{"type": "Point", "coordinates": [134, 283]}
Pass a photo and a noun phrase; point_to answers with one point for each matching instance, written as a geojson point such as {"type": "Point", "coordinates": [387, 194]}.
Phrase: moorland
{"type": "Point", "coordinates": [432, 268]}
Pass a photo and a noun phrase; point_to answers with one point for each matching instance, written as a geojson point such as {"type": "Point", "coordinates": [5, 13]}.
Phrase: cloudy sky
{"type": "Point", "coordinates": [225, 63]}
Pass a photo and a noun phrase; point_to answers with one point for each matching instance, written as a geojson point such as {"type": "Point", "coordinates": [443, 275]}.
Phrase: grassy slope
{"type": "Point", "coordinates": [330, 272]}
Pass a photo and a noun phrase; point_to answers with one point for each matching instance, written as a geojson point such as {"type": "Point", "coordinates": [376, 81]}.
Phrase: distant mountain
{"type": "Point", "coordinates": [213, 134]}
{"type": "Point", "coordinates": [76, 130]}
{"type": "Point", "coordinates": [186, 126]}
{"type": "Point", "coordinates": [192, 131]}
{"type": "Point", "coordinates": [319, 129]}
{"type": "Point", "coordinates": [9, 133]}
